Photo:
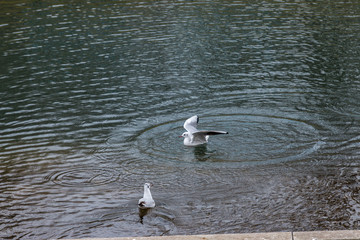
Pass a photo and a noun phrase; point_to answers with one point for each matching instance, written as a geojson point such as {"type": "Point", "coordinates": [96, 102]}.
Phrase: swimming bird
{"type": "Point", "coordinates": [146, 201]}
{"type": "Point", "coordinates": [194, 137]}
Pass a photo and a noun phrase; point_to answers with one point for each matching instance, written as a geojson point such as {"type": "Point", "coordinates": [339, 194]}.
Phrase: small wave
{"type": "Point", "coordinates": [84, 177]}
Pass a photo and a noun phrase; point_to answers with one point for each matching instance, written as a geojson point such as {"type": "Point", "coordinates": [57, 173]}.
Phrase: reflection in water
{"type": "Point", "coordinates": [143, 213]}
{"type": "Point", "coordinates": [200, 152]}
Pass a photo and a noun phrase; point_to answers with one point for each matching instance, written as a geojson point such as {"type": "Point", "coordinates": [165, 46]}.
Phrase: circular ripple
{"type": "Point", "coordinates": [252, 139]}
{"type": "Point", "coordinates": [84, 177]}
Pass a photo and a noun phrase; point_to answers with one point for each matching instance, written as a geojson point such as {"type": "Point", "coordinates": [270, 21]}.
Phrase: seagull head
{"type": "Point", "coordinates": [185, 135]}
{"type": "Point", "coordinates": [148, 185]}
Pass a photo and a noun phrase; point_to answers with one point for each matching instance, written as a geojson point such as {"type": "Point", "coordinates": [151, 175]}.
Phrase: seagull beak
{"type": "Point", "coordinates": [180, 136]}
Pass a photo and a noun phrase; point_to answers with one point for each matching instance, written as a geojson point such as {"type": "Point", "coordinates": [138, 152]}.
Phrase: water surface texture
{"type": "Point", "coordinates": [94, 95]}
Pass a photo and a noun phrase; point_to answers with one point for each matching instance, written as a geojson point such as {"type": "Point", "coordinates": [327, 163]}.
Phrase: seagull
{"type": "Point", "coordinates": [146, 201]}
{"type": "Point", "coordinates": [194, 137]}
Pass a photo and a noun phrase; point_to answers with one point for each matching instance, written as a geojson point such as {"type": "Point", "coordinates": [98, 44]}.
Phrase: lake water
{"type": "Point", "coordinates": [94, 95]}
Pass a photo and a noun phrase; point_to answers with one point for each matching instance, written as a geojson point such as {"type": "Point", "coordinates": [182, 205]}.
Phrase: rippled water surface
{"type": "Point", "coordinates": [94, 95]}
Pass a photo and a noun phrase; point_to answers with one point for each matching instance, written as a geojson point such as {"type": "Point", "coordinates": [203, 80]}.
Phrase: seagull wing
{"type": "Point", "coordinates": [191, 124]}
{"type": "Point", "coordinates": [212, 132]}
{"type": "Point", "coordinates": [201, 136]}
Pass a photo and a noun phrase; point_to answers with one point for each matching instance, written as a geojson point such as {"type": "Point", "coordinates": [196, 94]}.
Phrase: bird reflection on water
{"type": "Point", "coordinates": [143, 213]}
{"type": "Point", "coordinates": [200, 153]}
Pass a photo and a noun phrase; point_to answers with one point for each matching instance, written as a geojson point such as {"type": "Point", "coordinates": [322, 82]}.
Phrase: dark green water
{"type": "Point", "coordinates": [94, 95]}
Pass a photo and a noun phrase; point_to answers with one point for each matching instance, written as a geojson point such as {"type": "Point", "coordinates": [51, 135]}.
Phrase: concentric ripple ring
{"type": "Point", "coordinates": [85, 177]}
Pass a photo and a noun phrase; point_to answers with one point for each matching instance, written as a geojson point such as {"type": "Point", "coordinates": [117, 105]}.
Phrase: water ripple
{"type": "Point", "coordinates": [283, 139]}
{"type": "Point", "coordinates": [84, 177]}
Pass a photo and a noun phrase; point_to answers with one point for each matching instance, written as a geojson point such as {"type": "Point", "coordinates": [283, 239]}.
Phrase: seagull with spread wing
{"type": "Point", "coordinates": [195, 137]}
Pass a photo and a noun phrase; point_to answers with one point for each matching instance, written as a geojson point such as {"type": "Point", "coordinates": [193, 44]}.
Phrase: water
{"type": "Point", "coordinates": [93, 98]}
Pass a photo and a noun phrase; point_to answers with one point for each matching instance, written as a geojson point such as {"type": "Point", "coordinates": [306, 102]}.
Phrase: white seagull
{"type": "Point", "coordinates": [146, 201]}
{"type": "Point", "coordinates": [194, 137]}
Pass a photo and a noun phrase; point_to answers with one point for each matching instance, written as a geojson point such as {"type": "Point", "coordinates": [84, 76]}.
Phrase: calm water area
{"type": "Point", "coordinates": [94, 94]}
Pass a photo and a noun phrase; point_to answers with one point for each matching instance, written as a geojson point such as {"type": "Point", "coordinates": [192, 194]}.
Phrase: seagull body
{"type": "Point", "coordinates": [194, 137]}
{"type": "Point", "coordinates": [146, 201]}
